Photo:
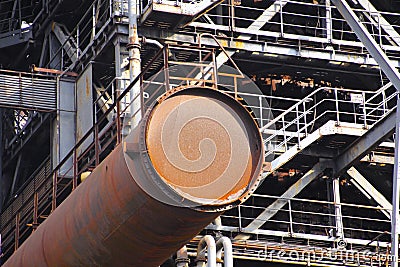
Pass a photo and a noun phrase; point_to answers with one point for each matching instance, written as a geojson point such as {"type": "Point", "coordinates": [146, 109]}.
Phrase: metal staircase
{"type": "Point", "coordinates": [326, 111]}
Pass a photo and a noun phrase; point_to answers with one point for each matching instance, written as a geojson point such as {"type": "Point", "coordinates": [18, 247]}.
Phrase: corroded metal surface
{"type": "Point", "coordinates": [201, 147]}
{"type": "Point", "coordinates": [144, 201]}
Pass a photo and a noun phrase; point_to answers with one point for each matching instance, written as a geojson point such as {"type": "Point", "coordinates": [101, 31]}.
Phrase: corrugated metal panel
{"type": "Point", "coordinates": [28, 91]}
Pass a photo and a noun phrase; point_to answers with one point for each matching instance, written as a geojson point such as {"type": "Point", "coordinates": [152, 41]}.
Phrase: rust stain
{"type": "Point", "coordinates": [111, 220]}
{"type": "Point", "coordinates": [87, 87]}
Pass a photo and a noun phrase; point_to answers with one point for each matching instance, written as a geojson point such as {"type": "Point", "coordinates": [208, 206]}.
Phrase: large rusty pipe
{"type": "Point", "coordinates": [196, 153]}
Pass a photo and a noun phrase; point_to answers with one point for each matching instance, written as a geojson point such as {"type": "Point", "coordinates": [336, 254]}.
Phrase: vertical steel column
{"type": "Point", "coordinates": [338, 208]}
{"type": "Point", "coordinates": [118, 86]}
{"type": "Point", "coordinates": [396, 193]}
{"type": "Point", "coordinates": [134, 62]}
{"type": "Point", "coordinates": [328, 22]}
{"type": "Point", "coordinates": [394, 76]}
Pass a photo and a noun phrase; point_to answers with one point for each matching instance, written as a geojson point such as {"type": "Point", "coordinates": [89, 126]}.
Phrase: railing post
{"type": "Point", "coordinates": [54, 192]}
{"type": "Point", "coordinates": [93, 21]}
{"type": "Point", "coordinates": [17, 219]}
{"type": "Point", "coordinates": [337, 107]}
{"type": "Point", "coordinates": [281, 17]}
{"type": "Point", "coordinates": [232, 14]}
{"type": "Point", "coordinates": [118, 115]}
{"type": "Point", "coordinates": [166, 70]}
{"type": "Point", "coordinates": [379, 30]}
{"type": "Point", "coordinates": [75, 170]}
{"type": "Point", "coordinates": [235, 86]}
{"type": "Point", "coordinates": [364, 111]}
{"type": "Point", "coordinates": [240, 218]}
{"type": "Point", "coordinates": [62, 58]}
{"type": "Point", "coordinates": [142, 107]}
{"type": "Point", "coordinates": [298, 126]}
{"type": "Point", "coordinates": [284, 132]}
{"type": "Point", "coordinates": [215, 69]}
{"type": "Point", "coordinates": [19, 17]}
{"type": "Point", "coordinates": [305, 118]}
{"type": "Point", "coordinates": [290, 217]}
{"type": "Point", "coordinates": [96, 145]}
{"type": "Point", "coordinates": [384, 102]}
{"type": "Point", "coordinates": [328, 21]}
{"type": "Point", "coordinates": [35, 211]}
{"type": "Point", "coordinates": [77, 43]}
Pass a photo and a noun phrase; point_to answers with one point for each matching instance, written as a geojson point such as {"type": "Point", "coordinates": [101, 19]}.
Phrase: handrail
{"type": "Point", "coordinates": [372, 109]}
{"type": "Point", "coordinates": [296, 208]}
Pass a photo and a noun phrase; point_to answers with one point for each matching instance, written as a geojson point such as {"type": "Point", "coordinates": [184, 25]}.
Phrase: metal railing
{"type": "Point", "coordinates": [300, 24]}
{"type": "Point", "coordinates": [15, 18]}
{"type": "Point", "coordinates": [25, 213]}
{"type": "Point", "coordinates": [305, 216]}
{"type": "Point", "coordinates": [65, 177]}
{"type": "Point", "coordinates": [307, 226]}
{"type": "Point", "coordinates": [108, 130]}
{"type": "Point", "coordinates": [97, 143]}
{"type": "Point", "coordinates": [89, 28]}
{"type": "Point", "coordinates": [340, 105]}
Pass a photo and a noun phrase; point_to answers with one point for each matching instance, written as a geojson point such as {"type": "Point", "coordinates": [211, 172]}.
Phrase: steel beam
{"type": "Point", "coordinates": [295, 189]}
{"type": "Point", "coordinates": [328, 21]}
{"type": "Point", "coordinates": [365, 37]}
{"type": "Point", "coordinates": [396, 192]}
{"type": "Point", "coordinates": [394, 76]}
{"type": "Point", "coordinates": [15, 37]}
{"type": "Point", "coordinates": [15, 176]}
{"type": "Point", "coordinates": [363, 145]}
{"type": "Point", "coordinates": [338, 208]}
{"type": "Point", "coordinates": [262, 48]}
{"type": "Point", "coordinates": [256, 25]}
{"type": "Point", "coordinates": [66, 40]}
{"type": "Point", "coordinates": [369, 190]}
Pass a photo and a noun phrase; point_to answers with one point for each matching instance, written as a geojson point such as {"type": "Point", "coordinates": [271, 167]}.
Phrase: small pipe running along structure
{"type": "Point", "coordinates": [214, 252]}
{"type": "Point", "coordinates": [195, 153]}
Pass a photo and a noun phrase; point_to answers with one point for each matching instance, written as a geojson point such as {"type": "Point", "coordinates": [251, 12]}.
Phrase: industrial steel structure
{"type": "Point", "coordinates": [95, 95]}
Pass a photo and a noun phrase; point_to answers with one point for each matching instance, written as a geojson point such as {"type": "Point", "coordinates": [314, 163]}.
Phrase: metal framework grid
{"type": "Point", "coordinates": [272, 31]}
